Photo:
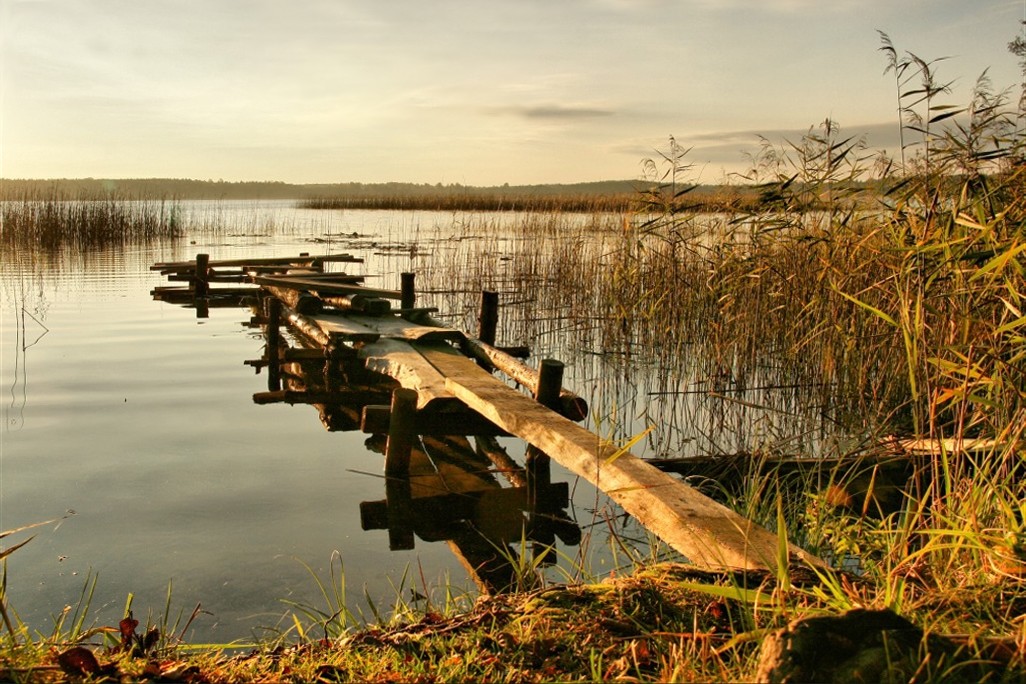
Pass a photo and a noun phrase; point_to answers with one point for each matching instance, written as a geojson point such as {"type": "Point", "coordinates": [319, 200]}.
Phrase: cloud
{"type": "Point", "coordinates": [556, 112]}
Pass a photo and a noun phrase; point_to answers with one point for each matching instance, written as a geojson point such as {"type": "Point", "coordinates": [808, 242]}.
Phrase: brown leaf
{"type": "Point", "coordinates": [127, 627]}
{"type": "Point", "coordinates": [78, 661]}
{"type": "Point", "coordinates": [151, 639]}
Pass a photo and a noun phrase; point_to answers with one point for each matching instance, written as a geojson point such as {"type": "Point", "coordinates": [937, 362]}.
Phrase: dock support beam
{"type": "Point", "coordinates": [407, 291]}
{"type": "Point", "coordinates": [201, 278]}
{"type": "Point", "coordinates": [273, 312]}
{"type": "Point", "coordinates": [401, 433]}
{"type": "Point", "coordinates": [537, 462]}
{"type": "Point", "coordinates": [488, 320]}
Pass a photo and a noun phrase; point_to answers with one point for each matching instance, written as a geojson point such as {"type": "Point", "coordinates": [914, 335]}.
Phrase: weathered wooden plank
{"type": "Point", "coordinates": [706, 532]}
{"type": "Point", "coordinates": [570, 405]}
{"type": "Point", "coordinates": [259, 261]}
{"type": "Point", "coordinates": [343, 327]}
{"type": "Point", "coordinates": [324, 286]}
{"type": "Point", "coordinates": [402, 329]}
{"type": "Point", "coordinates": [399, 360]}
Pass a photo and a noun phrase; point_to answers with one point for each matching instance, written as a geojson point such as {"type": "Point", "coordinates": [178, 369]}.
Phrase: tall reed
{"type": "Point", "coordinates": [51, 221]}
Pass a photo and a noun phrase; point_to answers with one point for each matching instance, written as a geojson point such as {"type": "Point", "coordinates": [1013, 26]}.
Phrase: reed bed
{"type": "Point", "coordinates": [475, 202]}
{"type": "Point", "coordinates": [702, 199]}
{"type": "Point", "coordinates": [50, 222]}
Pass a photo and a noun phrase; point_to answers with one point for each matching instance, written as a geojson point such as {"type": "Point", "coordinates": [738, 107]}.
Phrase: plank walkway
{"type": "Point", "coordinates": [434, 362]}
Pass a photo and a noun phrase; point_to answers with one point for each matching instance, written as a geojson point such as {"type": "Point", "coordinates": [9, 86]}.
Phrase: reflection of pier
{"type": "Point", "coordinates": [394, 370]}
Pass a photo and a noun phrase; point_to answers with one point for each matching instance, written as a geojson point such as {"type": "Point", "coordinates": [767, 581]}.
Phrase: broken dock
{"type": "Point", "coordinates": [371, 359]}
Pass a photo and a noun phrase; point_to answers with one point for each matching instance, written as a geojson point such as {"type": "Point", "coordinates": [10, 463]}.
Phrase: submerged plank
{"type": "Point", "coordinates": [706, 532]}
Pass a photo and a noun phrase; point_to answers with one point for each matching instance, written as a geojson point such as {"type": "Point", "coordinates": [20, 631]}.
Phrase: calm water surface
{"type": "Point", "coordinates": [138, 416]}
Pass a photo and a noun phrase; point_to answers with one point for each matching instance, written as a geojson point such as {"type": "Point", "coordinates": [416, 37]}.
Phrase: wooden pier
{"type": "Point", "coordinates": [369, 358]}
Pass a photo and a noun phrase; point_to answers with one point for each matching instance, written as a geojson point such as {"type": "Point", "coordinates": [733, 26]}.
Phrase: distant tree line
{"type": "Point", "coordinates": [613, 195]}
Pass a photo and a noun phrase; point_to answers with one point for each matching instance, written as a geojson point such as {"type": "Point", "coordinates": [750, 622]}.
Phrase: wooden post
{"type": "Point", "coordinates": [409, 294]}
{"type": "Point", "coordinates": [488, 357]}
{"type": "Point", "coordinates": [488, 320]}
{"type": "Point", "coordinates": [537, 462]}
{"type": "Point", "coordinates": [200, 283]}
{"type": "Point", "coordinates": [550, 382]}
{"type": "Point", "coordinates": [273, 342]}
{"type": "Point", "coordinates": [401, 433]}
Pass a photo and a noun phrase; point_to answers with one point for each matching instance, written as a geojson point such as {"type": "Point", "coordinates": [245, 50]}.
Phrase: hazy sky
{"type": "Point", "coordinates": [457, 91]}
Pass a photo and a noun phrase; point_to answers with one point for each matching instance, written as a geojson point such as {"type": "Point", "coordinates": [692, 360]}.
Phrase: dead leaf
{"type": "Point", "coordinates": [78, 662]}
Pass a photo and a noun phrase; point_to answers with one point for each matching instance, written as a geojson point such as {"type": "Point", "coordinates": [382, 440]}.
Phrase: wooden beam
{"type": "Point", "coordinates": [399, 360]}
{"type": "Point", "coordinates": [706, 532]}
{"type": "Point", "coordinates": [402, 329]}
{"type": "Point", "coordinates": [324, 286]}
{"type": "Point", "coordinates": [570, 405]}
{"type": "Point", "coordinates": [172, 266]}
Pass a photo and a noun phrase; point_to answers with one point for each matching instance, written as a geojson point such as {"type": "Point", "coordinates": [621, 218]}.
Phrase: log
{"type": "Point", "coordinates": [342, 327]}
{"type": "Point", "coordinates": [308, 327]}
{"type": "Point", "coordinates": [570, 405]}
{"type": "Point", "coordinates": [301, 302]}
{"type": "Point", "coordinates": [706, 532]}
{"type": "Point", "coordinates": [374, 306]}
{"type": "Point", "coordinates": [325, 286]}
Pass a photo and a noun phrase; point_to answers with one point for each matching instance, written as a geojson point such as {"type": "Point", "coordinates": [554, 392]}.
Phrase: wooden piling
{"type": "Point", "coordinates": [401, 434]}
{"type": "Point", "coordinates": [488, 319]}
{"type": "Point", "coordinates": [200, 283]}
{"type": "Point", "coordinates": [537, 462]}
{"type": "Point", "coordinates": [273, 305]}
{"type": "Point", "coordinates": [407, 290]}
{"type": "Point", "coordinates": [570, 405]}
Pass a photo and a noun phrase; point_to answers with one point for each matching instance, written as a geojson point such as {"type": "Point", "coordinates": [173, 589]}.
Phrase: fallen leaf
{"type": "Point", "coordinates": [78, 661]}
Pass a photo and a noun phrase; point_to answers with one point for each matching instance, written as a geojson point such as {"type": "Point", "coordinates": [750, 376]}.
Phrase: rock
{"type": "Point", "coordinates": [859, 646]}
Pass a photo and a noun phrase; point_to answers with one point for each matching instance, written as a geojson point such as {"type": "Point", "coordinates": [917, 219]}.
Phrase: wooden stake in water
{"type": "Point", "coordinates": [401, 433]}
{"type": "Point", "coordinates": [537, 462]}
{"type": "Point", "coordinates": [488, 319]}
{"type": "Point", "coordinates": [407, 289]}
{"type": "Point", "coordinates": [273, 342]}
{"type": "Point", "coordinates": [201, 278]}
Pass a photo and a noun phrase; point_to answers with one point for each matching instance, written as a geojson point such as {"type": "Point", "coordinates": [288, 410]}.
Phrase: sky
{"type": "Point", "coordinates": [477, 92]}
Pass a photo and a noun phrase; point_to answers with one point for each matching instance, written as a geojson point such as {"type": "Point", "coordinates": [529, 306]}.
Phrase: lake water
{"type": "Point", "coordinates": [138, 416]}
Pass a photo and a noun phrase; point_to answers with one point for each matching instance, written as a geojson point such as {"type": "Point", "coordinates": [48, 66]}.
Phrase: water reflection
{"type": "Point", "coordinates": [450, 490]}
